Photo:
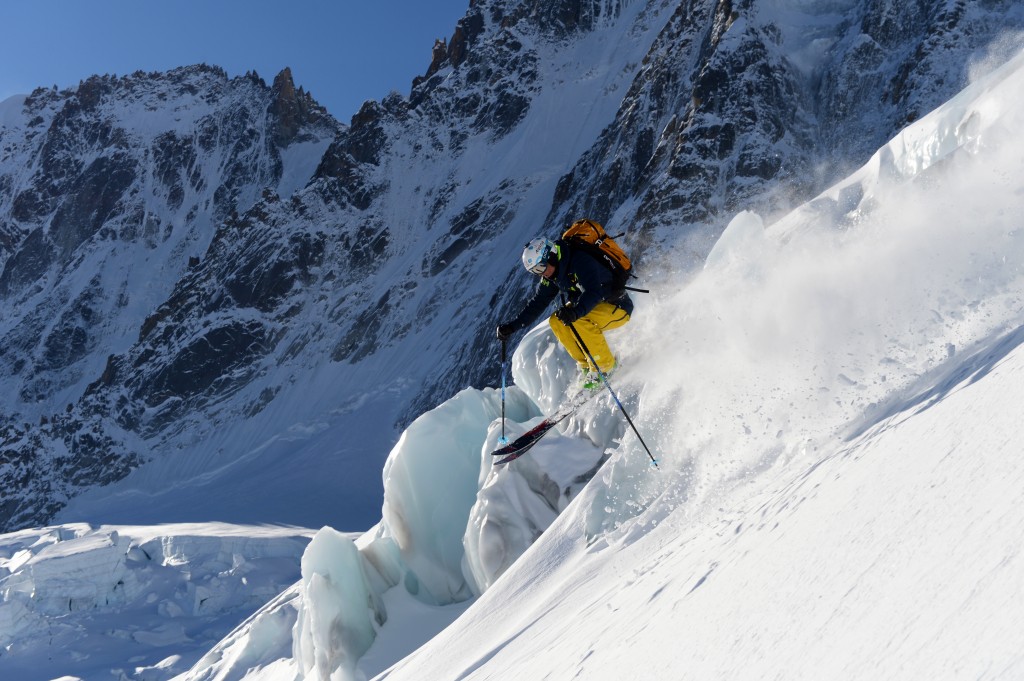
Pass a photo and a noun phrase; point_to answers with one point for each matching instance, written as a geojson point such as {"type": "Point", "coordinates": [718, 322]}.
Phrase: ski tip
{"type": "Point", "coordinates": [504, 452]}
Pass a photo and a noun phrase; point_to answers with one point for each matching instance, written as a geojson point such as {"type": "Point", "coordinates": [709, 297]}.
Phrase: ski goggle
{"type": "Point", "coordinates": [538, 268]}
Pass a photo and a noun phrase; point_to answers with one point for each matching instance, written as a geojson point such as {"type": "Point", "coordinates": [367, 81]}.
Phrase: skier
{"type": "Point", "coordinates": [591, 302]}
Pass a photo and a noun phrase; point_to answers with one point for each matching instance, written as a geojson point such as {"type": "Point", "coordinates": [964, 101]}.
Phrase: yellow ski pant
{"type": "Point", "coordinates": [591, 328]}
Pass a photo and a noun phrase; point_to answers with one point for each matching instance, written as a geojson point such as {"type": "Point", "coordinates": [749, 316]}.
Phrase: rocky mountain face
{"type": "Point", "coordinates": [185, 254]}
{"type": "Point", "coordinates": [109, 194]}
{"type": "Point", "coordinates": [758, 105]}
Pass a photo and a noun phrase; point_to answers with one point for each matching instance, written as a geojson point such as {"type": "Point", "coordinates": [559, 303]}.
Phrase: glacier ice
{"type": "Point", "coordinates": [337, 610]}
{"type": "Point", "coordinates": [168, 592]}
{"type": "Point", "coordinates": [452, 522]}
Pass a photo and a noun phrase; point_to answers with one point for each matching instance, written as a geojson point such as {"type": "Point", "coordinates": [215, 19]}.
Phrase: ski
{"type": "Point", "coordinates": [524, 442]}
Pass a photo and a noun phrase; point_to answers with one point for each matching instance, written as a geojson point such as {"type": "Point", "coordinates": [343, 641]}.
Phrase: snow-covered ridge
{"type": "Point", "coordinates": [980, 116]}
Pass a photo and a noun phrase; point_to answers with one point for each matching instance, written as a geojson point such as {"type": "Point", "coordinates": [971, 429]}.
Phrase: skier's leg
{"type": "Point", "coordinates": [564, 335]}
{"type": "Point", "coordinates": [591, 328]}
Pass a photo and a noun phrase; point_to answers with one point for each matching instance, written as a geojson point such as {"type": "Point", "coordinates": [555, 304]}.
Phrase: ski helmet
{"type": "Point", "coordinates": [537, 254]}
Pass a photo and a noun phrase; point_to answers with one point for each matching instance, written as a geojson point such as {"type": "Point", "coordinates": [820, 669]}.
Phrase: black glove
{"type": "Point", "coordinates": [505, 331]}
{"type": "Point", "coordinates": [566, 314]}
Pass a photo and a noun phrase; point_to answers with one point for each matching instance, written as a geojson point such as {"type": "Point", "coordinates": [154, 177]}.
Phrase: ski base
{"type": "Point", "coordinates": [524, 442]}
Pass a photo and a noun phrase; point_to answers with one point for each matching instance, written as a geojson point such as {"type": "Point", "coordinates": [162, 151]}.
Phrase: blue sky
{"type": "Point", "coordinates": [342, 51]}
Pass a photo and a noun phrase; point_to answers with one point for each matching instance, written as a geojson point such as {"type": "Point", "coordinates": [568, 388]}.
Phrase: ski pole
{"type": "Point", "coordinates": [504, 364]}
{"type": "Point", "coordinates": [604, 379]}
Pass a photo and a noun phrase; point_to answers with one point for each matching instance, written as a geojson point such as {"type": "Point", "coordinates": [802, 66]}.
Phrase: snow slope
{"type": "Point", "coordinates": [895, 556]}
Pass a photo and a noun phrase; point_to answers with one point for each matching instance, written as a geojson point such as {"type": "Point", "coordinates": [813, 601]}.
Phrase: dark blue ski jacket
{"type": "Point", "coordinates": [581, 280]}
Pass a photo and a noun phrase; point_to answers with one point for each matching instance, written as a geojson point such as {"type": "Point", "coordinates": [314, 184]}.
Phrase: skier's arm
{"type": "Point", "coordinates": [542, 297]}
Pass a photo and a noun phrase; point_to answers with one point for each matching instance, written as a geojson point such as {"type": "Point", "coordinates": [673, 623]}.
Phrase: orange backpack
{"type": "Point", "coordinates": [590, 237]}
